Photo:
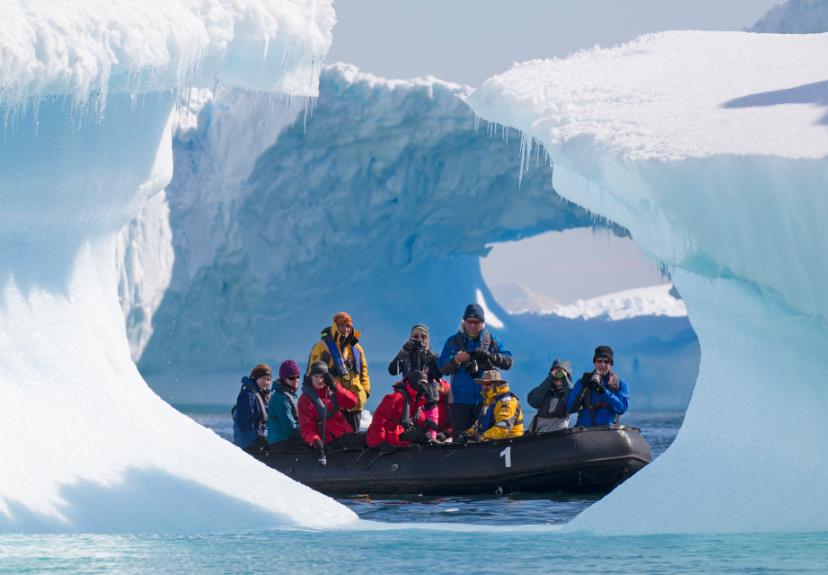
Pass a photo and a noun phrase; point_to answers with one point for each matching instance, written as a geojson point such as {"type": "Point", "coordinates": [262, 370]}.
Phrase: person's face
{"type": "Point", "coordinates": [602, 365]}
{"type": "Point", "coordinates": [264, 382]}
{"type": "Point", "coordinates": [419, 335]}
{"type": "Point", "coordinates": [473, 326]}
{"type": "Point", "coordinates": [292, 381]}
{"type": "Point", "coordinates": [318, 381]}
{"type": "Point", "coordinates": [344, 328]}
{"type": "Point", "coordinates": [558, 377]}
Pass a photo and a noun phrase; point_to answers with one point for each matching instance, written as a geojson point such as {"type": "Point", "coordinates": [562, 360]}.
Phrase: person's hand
{"type": "Point", "coordinates": [613, 382]}
{"type": "Point", "coordinates": [329, 380]}
{"type": "Point", "coordinates": [338, 371]}
{"type": "Point", "coordinates": [461, 357]}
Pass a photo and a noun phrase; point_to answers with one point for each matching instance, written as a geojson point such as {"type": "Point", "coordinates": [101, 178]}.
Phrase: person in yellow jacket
{"type": "Point", "coordinates": [339, 347]}
{"type": "Point", "coordinates": [501, 416]}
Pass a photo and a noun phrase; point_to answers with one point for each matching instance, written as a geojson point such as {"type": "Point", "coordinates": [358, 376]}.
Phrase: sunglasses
{"type": "Point", "coordinates": [293, 377]}
{"type": "Point", "coordinates": [473, 321]}
{"type": "Point", "coordinates": [605, 361]}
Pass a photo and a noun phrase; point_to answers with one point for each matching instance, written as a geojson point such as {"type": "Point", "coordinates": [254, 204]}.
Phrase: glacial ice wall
{"type": "Point", "coordinates": [712, 149]}
{"type": "Point", "coordinates": [379, 201]}
{"type": "Point", "coordinates": [88, 91]}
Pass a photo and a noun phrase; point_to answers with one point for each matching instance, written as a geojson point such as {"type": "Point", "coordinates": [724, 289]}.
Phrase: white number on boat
{"type": "Point", "coordinates": [506, 454]}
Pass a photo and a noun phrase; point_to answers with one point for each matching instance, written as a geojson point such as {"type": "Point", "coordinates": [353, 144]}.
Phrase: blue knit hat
{"type": "Point", "coordinates": [474, 310]}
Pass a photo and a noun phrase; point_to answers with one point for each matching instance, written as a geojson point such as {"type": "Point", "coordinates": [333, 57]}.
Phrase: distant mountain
{"type": "Point", "coordinates": [795, 17]}
{"type": "Point", "coordinates": [660, 300]}
{"type": "Point", "coordinates": [515, 297]}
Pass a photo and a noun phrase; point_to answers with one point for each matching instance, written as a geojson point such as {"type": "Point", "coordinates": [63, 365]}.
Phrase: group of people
{"type": "Point", "coordinates": [476, 404]}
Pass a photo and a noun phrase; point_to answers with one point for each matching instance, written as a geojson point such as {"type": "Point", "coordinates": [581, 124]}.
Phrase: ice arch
{"type": "Point", "coordinates": [87, 94]}
{"type": "Point", "coordinates": [711, 149]}
{"type": "Point", "coordinates": [380, 201]}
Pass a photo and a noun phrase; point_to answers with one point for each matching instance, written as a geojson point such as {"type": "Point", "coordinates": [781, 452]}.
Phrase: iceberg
{"type": "Point", "coordinates": [88, 92]}
{"type": "Point", "coordinates": [710, 147]}
{"type": "Point", "coordinates": [275, 219]}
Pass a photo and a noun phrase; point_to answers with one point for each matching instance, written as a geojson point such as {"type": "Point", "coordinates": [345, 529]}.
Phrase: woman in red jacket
{"type": "Point", "coordinates": [320, 408]}
{"type": "Point", "coordinates": [406, 415]}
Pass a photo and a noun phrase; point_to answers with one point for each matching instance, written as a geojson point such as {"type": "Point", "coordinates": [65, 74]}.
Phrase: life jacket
{"type": "Point", "coordinates": [485, 341]}
{"type": "Point", "coordinates": [486, 420]}
{"type": "Point", "coordinates": [254, 389]}
{"type": "Point", "coordinates": [321, 409]}
{"type": "Point", "coordinates": [336, 355]}
{"type": "Point", "coordinates": [587, 400]}
{"type": "Point", "coordinates": [288, 393]}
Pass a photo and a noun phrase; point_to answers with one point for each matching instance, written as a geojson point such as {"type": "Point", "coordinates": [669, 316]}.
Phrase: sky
{"type": "Point", "coordinates": [467, 41]}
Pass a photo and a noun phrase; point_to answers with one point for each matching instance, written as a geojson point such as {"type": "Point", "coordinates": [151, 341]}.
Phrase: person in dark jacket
{"type": "Point", "coordinates": [600, 397]}
{"type": "Point", "coordinates": [466, 355]}
{"type": "Point", "coordinates": [250, 411]}
{"type": "Point", "coordinates": [549, 398]}
{"type": "Point", "coordinates": [282, 411]}
{"type": "Point", "coordinates": [416, 355]}
{"type": "Point", "coordinates": [321, 419]}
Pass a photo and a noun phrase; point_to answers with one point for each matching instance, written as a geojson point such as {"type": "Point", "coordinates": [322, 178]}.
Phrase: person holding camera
{"type": "Point", "coordinates": [407, 415]}
{"type": "Point", "coordinates": [466, 355]}
{"type": "Point", "coordinates": [321, 419]}
{"type": "Point", "coordinates": [416, 355]}
{"type": "Point", "coordinates": [549, 398]}
{"type": "Point", "coordinates": [600, 397]}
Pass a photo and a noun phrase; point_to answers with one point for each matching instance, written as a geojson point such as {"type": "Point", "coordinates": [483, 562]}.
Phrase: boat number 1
{"type": "Point", "coordinates": [506, 454]}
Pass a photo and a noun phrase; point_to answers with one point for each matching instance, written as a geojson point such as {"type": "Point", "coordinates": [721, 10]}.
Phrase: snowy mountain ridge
{"type": "Point", "coordinates": [649, 301]}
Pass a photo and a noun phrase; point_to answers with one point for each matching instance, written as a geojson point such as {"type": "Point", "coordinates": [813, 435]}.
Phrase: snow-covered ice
{"type": "Point", "coordinates": [649, 301]}
{"type": "Point", "coordinates": [710, 147]}
{"type": "Point", "coordinates": [88, 91]}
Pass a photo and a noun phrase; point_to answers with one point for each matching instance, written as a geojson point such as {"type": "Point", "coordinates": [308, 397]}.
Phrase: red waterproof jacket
{"type": "Point", "coordinates": [310, 422]}
{"type": "Point", "coordinates": [444, 417]}
{"type": "Point", "coordinates": [387, 423]}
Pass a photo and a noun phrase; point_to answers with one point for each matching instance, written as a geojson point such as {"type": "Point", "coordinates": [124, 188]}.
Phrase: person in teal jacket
{"type": "Point", "coordinates": [282, 417]}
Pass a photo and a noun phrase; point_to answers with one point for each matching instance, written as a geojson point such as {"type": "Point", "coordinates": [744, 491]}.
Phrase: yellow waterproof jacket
{"type": "Point", "coordinates": [501, 416]}
{"type": "Point", "coordinates": [355, 378]}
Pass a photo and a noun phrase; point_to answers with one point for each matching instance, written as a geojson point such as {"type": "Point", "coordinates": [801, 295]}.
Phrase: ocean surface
{"type": "Point", "coordinates": [452, 535]}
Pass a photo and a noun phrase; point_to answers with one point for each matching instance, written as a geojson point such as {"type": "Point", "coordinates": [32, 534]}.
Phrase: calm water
{"type": "Point", "coordinates": [440, 535]}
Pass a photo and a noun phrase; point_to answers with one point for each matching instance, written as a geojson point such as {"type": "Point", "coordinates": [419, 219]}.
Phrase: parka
{"type": "Point", "coordinates": [352, 371]}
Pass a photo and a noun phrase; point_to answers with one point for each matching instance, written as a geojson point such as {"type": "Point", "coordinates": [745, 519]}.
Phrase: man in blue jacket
{"type": "Point", "coordinates": [466, 355]}
{"type": "Point", "coordinates": [250, 411]}
{"type": "Point", "coordinates": [600, 397]}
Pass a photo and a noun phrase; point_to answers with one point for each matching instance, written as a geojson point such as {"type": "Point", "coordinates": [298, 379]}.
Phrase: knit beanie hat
{"type": "Point", "coordinates": [474, 310]}
{"type": "Point", "coordinates": [603, 352]}
{"type": "Point", "coordinates": [318, 368]}
{"type": "Point", "coordinates": [289, 368]}
{"type": "Point", "coordinates": [261, 370]}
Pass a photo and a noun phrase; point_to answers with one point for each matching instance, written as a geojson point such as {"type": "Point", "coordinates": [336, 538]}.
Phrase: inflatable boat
{"type": "Point", "coordinates": [578, 460]}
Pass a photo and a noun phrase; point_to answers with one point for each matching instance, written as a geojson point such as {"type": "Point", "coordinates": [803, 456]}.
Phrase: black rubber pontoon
{"type": "Point", "coordinates": [579, 460]}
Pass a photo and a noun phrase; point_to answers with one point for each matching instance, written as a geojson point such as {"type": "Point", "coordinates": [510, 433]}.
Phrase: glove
{"type": "Point", "coordinates": [329, 380]}
{"type": "Point", "coordinates": [338, 370]}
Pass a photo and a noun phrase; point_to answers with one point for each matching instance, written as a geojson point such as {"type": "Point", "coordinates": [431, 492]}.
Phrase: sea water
{"type": "Point", "coordinates": [514, 533]}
